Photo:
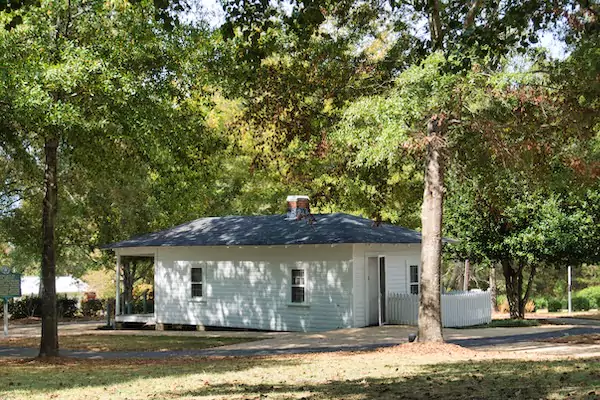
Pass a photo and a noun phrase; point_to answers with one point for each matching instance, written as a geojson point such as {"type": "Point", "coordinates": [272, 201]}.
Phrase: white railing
{"type": "Point", "coordinates": [458, 308]}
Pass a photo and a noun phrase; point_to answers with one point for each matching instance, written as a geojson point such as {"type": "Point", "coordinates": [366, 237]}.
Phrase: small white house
{"type": "Point", "coordinates": [294, 272]}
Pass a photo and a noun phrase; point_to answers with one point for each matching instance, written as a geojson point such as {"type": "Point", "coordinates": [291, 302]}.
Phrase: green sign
{"type": "Point", "coordinates": [10, 284]}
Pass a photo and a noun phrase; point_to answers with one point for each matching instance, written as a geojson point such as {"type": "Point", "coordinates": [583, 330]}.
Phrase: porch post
{"type": "Point", "coordinates": [154, 283]}
{"type": "Point", "coordinates": [118, 286]}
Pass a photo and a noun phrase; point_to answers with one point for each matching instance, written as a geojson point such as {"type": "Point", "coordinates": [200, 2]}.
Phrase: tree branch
{"type": "Point", "coordinates": [588, 6]}
{"type": "Point", "coordinates": [529, 283]}
{"type": "Point", "coordinates": [435, 24]}
{"type": "Point", "coordinates": [473, 11]}
{"type": "Point", "coordinates": [68, 18]}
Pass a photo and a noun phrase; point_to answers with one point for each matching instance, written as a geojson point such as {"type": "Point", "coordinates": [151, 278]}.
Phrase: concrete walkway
{"type": "Point", "coordinates": [360, 339]}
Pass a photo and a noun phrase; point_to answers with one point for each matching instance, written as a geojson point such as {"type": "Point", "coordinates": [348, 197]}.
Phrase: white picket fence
{"type": "Point", "coordinates": [458, 308]}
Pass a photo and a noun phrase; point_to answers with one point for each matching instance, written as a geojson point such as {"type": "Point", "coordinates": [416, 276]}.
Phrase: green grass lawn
{"type": "Point", "coordinates": [115, 342]}
{"type": "Point", "coordinates": [359, 376]}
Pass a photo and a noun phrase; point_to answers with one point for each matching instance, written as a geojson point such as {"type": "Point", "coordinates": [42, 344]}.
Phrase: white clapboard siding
{"type": "Point", "coordinates": [359, 286]}
{"type": "Point", "coordinates": [458, 309]}
{"type": "Point", "coordinates": [250, 287]}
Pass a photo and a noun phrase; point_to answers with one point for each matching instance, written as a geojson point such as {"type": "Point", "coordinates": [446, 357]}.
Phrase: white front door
{"type": "Point", "coordinates": [373, 290]}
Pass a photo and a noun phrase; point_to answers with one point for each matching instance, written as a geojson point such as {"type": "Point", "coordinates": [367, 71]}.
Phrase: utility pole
{"type": "Point", "coordinates": [569, 288]}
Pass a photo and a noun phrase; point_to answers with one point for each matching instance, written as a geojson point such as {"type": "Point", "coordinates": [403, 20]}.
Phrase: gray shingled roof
{"type": "Point", "coordinates": [266, 230]}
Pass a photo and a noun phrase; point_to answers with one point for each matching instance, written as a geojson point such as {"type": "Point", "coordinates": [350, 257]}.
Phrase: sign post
{"type": "Point", "coordinates": [569, 302]}
{"type": "Point", "coordinates": [5, 317]}
{"type": "Point", "coordinates": [10, 286]}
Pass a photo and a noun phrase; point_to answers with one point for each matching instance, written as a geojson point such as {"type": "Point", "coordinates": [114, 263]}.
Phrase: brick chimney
{"type": "Point", "coordinates": [298, 207]}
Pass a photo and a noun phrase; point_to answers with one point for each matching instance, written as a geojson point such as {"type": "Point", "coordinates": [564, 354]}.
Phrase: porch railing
{"type": "Point", "coordinates": [458, 308]}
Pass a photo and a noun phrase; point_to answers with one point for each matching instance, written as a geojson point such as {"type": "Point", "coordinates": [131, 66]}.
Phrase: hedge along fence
{"type": "Point", "coordinates": [31, 306]}
{"type": "Point", "coordinates": [458, 308]}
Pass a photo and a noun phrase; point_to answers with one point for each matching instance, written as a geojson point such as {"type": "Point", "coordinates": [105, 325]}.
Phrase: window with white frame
{"type": "Point", "coordinates": [197, 282]}
{"type": "Point", "coordinates": [414, 279]}
{"type": "Point", "coordinates": [298, 285]}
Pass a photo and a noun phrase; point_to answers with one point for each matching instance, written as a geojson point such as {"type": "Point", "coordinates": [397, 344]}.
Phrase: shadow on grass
{"type": "Point", "coordinates": [498, 379]}
{"type": "Point", "coordinates": [131, 343]}
{"type": "Point", "coordinates": [34, 375]}
{"type": "Point", "coordinates": [470, 380]}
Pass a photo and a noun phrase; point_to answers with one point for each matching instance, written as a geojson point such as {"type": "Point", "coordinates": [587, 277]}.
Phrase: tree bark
{"type": "Point", "coordinates": [473, 11]}
{"type": "Point", "coordinates": [529, 285]}
{"type": "Point", "coordinates": [129, 278]}
{"type": "Point", "coordinates": [455, 281]}
{"type": "Point", "coordinates": [49, 340]}
{"type": "Point", "coordinates": [435, 24]}
{"type": "Point", "coordinates": [430, 315]}
{"type": "Point", "coordinates": [493, 288]}
{"type": "Point", "coordinates": [467, 278]}
{"type": "Point", "coordinates": [510, 278]}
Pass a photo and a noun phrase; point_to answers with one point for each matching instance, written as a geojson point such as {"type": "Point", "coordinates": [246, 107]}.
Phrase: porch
{"type": "Point", "coordinates": [146, 319]}
{"type": "Point", "coordinates": [132, 309]}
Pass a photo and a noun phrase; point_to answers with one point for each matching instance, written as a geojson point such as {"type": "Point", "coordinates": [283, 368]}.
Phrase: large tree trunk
{"type": "Point", "coordinates": [49, 341]}
{"type": "Point", "coordinates": [512, 282]}
{"type": "Point", "coordinates": [430, 315]}
{"type": "Point", "coordinates": [513, 276]}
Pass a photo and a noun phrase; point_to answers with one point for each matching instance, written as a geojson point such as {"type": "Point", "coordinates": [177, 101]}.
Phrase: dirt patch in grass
{"type": "Point", "coordinates": [438, 349]}
{"type": "Point", "coordinates": [426, 353]}
{"type": "Point", "coordinates": [576, 339]}
{"type": "Point", "coordinates": [131, 342]}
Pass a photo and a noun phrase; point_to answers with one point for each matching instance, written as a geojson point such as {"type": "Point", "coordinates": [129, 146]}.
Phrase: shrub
{"type": "Point", "coordinates": [530, 306]}
{"type": "Point", "coordinates": [67, 308]}
{"type": "Point", "coordinates": [138, 306]}
{"type": "Point", "coordinates": [580, 303]}
{"type": "Point", "coordinates": [540, 303]}
{"type": "Point", "coordinates": [501, 302]}
{"type": "Point", "coordinates": [500, 299]}
{"type": "Point", "coordinates": [31, 306]}
{"type": "Point", "coordinates": [109, 303]}
{"type": "Point", "coordinates": [91, 307]}
{"type": "Point", "coordinates": [554, 305]}
{"type": "Point", "coordinates": [504, 307]}
{"type": "Point", "coordinates": [25, 307]}
{"type": "Point", "coordinates": [139, 289]}
{"type": "Point", "coordinates": [592, 293]}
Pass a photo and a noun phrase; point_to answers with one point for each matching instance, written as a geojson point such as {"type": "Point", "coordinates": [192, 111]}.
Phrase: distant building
{"type": "Point", "coordinates": [30, 285]}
